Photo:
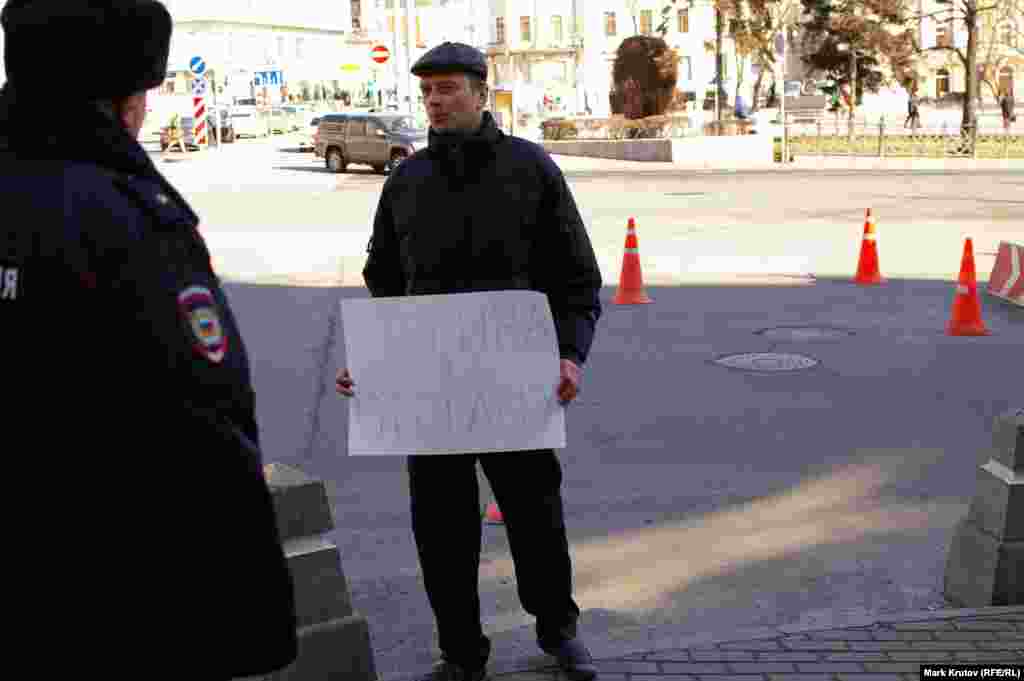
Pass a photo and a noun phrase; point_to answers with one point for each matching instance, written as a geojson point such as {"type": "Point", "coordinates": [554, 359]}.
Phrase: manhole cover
{"type": "Point", "coordinates": [767, 361]}
{"type": "Point", "coordinates": [804, 333]}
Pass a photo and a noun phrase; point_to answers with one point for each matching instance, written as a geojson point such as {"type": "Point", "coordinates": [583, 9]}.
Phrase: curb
{"type": "Point", "coordinates": [606, 650]}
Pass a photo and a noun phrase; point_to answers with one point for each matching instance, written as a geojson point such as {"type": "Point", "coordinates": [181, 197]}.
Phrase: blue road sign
{"type": "Point", "coordinates": [265, 78]}
{"type": "Point", "coordinates": [197, 66]}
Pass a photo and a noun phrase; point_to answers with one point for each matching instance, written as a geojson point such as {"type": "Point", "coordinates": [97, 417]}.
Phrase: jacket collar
{"type": "Point", "coordinates": [73, 132]}
{"type": "Point", "coordinates": [485, 137]}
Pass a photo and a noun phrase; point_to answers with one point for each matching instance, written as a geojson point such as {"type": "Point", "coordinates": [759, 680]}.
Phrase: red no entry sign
{"type": "Point", "coordinates": [380, 54]}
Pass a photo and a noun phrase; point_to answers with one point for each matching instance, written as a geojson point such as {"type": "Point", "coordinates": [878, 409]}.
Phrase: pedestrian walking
{"type": "Point", "coordinates": [150, 544]}
{"type": "Point", "coordinates": [1006, 105]}
{"type": "Point", "coordinates": [479, 210]}
{"type": "Point", "coordinates": [913, 111]}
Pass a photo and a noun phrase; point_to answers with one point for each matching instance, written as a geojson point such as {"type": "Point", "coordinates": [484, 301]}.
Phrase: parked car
{"type": "Point", "coordinates": [381, 141]}
{"type": "Point", "coordinates": [296, 116]}
{"type": "Point", "coordinates": [249, 121]}
{"type": "Point", "coordinates": [280, 121]}
{"type": "Point", "coordinates": [308, 135]}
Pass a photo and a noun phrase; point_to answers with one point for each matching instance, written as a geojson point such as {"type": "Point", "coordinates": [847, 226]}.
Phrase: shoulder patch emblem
{"type": "Point", "coordinates": [199, 312]}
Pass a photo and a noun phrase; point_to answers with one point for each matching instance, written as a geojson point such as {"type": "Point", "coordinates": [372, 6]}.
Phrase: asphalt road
{"type": "Point", "coordinates": [699, 498]}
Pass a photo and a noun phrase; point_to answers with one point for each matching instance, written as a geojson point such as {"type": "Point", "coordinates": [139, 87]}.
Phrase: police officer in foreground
{"type": "Point", "coordinates": [478, 210]}
{"type": "Point", "coordinates": [150, 545]}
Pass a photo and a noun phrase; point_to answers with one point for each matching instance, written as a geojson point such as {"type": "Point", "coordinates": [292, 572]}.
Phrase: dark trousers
{"type": "Point", "coordinates": [446, 523]}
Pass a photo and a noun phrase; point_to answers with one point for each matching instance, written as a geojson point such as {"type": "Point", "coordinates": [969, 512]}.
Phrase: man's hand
{"type": "Point", "coordinates": [569, 383]}
{"type": "Point", "coordinates": [343, 384]}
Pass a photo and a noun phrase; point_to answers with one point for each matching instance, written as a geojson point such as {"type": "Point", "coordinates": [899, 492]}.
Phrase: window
{"type": "Point", "coordinates": [556, 29]}
{"type": "Point", "coordinates": [391, 23]}
{"type": "Point", "coordinates": [1009, 35]}
{"type": "Point", "coordinates": [356, 128]}
{"type": "Point", "coordinates": [357, 15]}
{"type": "Point", "coordinates": [683, 17]}
{"type": "Point", "coordinates": [941, 83]}
{"type": "Point", "coordinates": [684, 71]}
{"type": "Point", "coordinates": [609, 23]}
{"type": "Point", "coordinates": [300, 45]}
{"type": "Point", "coordinates": [403, 124]}
{"type": "Point", "coordinates": [524, 29]}
{"type": "Point", "coordinates": [646, 21]}
{"type": "Point", "coordinates": [499, 30]}
{"type": "Point", "coordinates": [944, 32]}
{"type": "Point", "coordinates": [280, 47]}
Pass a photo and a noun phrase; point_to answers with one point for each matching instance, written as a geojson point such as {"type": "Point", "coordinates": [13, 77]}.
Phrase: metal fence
{"type": "Point", "coordinates": [881, 140]}
{"type": "Point", "coordinates": [593, 128]}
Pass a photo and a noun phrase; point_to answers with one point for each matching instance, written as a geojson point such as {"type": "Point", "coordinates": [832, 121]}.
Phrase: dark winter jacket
{"type": "Point", "coordinates": [134, 414]}
{"type": "Point", "coordinates": [486, 213]}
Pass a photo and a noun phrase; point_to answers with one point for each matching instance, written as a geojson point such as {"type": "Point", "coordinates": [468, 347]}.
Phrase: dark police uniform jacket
{"type": "Point", "coordinates": [134, 411]}
{"type": "Point", "coordinates": [494, 213]}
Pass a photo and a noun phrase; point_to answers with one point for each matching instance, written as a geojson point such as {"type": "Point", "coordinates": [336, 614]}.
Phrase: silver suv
{"type": "Point", "coordinates": [380, 141]}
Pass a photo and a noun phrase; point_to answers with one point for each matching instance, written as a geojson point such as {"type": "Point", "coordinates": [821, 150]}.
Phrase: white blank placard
{"type": "Point", "coordinates": [452, 374]}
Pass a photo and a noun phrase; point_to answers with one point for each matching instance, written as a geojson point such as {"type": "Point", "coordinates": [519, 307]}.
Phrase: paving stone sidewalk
{"type": "Point", "coordinates": [891, 648]}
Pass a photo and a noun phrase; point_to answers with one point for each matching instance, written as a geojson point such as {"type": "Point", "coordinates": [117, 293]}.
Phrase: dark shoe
{"type": "Point", "coordinates": [449, 671]}
{"type": "Point", "coordinates": [574, 659]}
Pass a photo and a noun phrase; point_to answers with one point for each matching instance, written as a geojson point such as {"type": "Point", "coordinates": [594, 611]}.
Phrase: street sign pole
{"type": "Point", "coordinates": [410, 35]}
{"type": "Point", "coordinates": [395, 52]}
{"type": "Point", "coordinates": [780, 49]}
{"type": "Point", "coordinates": [197, 65]}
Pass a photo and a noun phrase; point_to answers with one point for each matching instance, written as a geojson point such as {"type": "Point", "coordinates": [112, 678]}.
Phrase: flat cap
{"type": "Point", "coordinates": [128, 39]}
{"type": "Point", "coordinates": [451, 58]}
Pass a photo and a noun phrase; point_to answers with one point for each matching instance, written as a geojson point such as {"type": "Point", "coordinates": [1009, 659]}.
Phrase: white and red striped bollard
{"type": "Point", "coordinates": [199, 121]}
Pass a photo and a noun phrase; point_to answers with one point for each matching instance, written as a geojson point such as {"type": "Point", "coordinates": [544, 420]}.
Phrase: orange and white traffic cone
{"type": "Point", "coordinates": [492, 516]}
{"type": "Point", "coordinates": [966, 319]}
{"type": "Point", "coordinates": [867, 267]}
{"type": "Point", "coordinates": [631, 282]}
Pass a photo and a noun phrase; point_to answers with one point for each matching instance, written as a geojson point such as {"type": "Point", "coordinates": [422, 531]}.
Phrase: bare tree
{"type": "Point", "coordinates": [754, 26]}
{"type": "Point", "coordinates": [968, 14]}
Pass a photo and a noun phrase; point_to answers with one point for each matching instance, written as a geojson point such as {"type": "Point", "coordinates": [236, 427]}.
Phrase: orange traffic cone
{"type": "Point", "coordinates": [966, 319]}
{"type": "Point", "coordinates": [867, 268]}
{"type": "Point", "coordinates": [492, 515]}
{"type": "Point", "coordinates": [631, 283]}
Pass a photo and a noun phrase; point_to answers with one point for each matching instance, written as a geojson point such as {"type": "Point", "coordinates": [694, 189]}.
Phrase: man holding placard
{"type": "Point", "coordinates": [479, 211]}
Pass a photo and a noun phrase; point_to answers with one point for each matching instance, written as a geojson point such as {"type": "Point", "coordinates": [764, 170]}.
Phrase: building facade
{"type": "Point", "coordinates": [534, 52]}
{"type": "Point", "coordinates": [310, 48]}
{"type": "Point", "coordinates": [1000, 51]}
{"type": "Point", "coordinates": [690, 31]}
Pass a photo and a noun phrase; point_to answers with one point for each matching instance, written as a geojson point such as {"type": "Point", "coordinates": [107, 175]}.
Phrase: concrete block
{"type": "Point", "coordinates": [300, 502]}
{"type": "Point", "coordinates": [321, 590]}
{"type": "Point", "coordinates": [982, 571]}
{"type": "Point", "coordinates": [1008, 440]}
{"type": "Point", "coordinates": [337, 650]}
{"type": "Point", "coordinates": [998, 505]}
{"type": "Point", "coordinates": [334, 642]}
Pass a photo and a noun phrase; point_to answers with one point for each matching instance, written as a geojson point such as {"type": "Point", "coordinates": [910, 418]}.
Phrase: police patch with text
{"type": "Point", "coordinates": [201, 315]}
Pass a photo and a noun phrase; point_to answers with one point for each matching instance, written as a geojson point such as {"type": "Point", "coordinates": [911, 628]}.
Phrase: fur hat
{"type": "Point", "coordinates": [122, 45]}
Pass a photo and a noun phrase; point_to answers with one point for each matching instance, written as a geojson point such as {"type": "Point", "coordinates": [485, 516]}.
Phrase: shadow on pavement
{"type": "Point", "coordinates": [698, 497]}
{"type": "Point", "coordinates": [356, 172]}
{"type": "Point", "coordinates": [308, 169]}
